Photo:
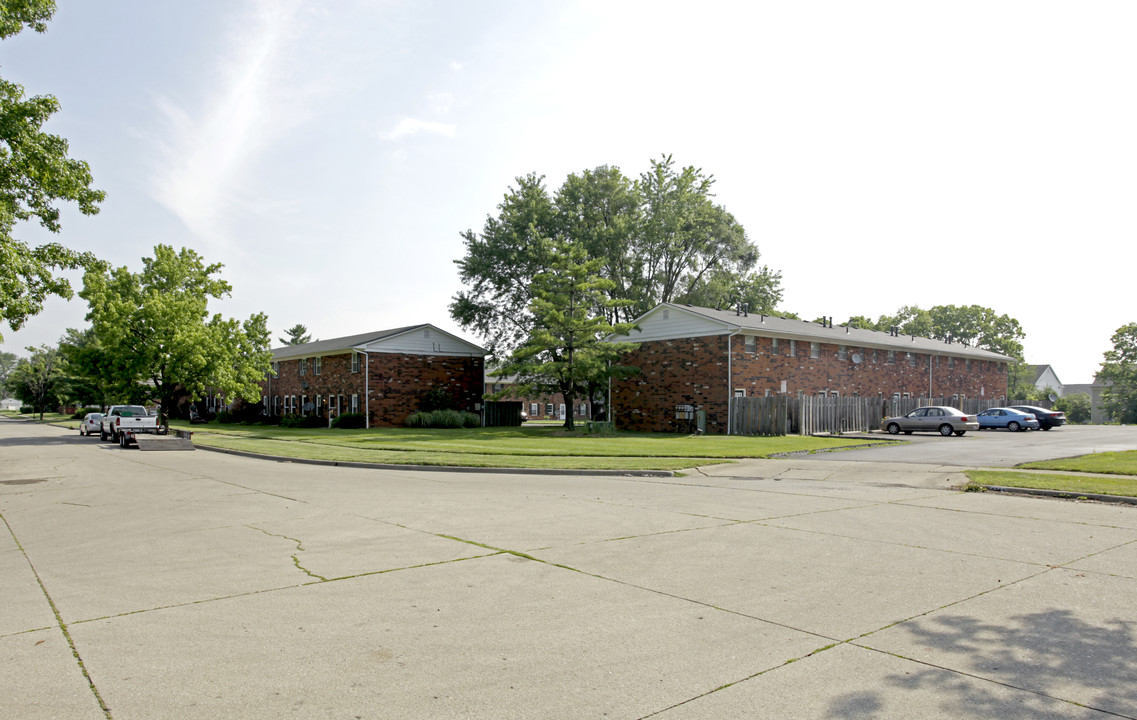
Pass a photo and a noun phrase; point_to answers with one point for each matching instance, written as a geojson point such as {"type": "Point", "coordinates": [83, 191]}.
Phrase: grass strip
{"type": "Point", "coordinates": [320, 451]}
{"type": "Point", "coordinates": [1073, 484]}
{"type": "Point", "coordinates": [1106, 463]}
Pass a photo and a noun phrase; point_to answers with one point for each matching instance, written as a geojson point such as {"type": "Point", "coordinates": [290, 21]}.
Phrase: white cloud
{"type": "Point", "coordinates": [408, 127]}
{"type": "Point", "coordinates": [440, 102]}
{"type": "Point", "coordinates": [254, 99]}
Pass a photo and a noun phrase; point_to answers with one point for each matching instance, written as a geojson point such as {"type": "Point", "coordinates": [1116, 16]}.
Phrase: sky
{"type": "Point", "coordinates": [879, 154]}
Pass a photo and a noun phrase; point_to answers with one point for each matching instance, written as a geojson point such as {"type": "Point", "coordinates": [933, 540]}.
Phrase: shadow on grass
{"type": "Point", "coordinates": [1040, 665]}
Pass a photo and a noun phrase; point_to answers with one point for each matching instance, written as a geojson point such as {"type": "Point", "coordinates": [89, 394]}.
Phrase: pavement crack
{"type": "Point", "coordinates": [61, 624]}
{"type": "Point", "coordinates": [295, 556]}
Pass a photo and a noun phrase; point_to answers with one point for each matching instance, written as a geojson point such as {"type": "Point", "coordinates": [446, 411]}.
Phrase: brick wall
{"type": "Point", "coordinates": [694, 371]}
{"type": "Point", "coordinates": [690, 371]}
{"type": "Point", "coordinates": [394, 382]}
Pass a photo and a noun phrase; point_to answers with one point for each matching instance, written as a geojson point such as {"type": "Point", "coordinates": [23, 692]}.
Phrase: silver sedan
{"type": "Point", "coordinates": [938, 418]}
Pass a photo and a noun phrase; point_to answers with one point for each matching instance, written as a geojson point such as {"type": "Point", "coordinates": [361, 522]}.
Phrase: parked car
{"type": "Point", "coordinates": [937, 418]}
{"type": "Point", "coordinates": [1046, 418]}
{"type": "Point", "coordinates": [1009, 418]}
{"type": "Point", "coordinates": [90, 424]}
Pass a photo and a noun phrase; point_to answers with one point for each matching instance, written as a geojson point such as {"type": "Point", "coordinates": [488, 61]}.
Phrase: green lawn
{"type": "Point", "coordinates": [1108, 463]}
{"type": "Point", "coordinates": [524, 447]}
{"type": "Point", "coordinates": [1073, 484]}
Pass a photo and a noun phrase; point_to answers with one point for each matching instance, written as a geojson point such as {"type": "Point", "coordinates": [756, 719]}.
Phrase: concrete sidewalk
{"type": "Point", "coordinates": [187, 585]}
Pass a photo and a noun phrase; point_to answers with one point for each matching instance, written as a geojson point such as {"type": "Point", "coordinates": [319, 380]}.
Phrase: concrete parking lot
{"type": "Point", "coordinates": [201, 585]}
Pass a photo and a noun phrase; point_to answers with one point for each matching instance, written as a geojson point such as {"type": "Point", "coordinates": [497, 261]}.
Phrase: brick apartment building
{"type": "Point", "coordinates": [703, 357]}
{"type": "Point", "coordinates": [541, 407]}
{"type": "Point", "coordinates": [382, 374]}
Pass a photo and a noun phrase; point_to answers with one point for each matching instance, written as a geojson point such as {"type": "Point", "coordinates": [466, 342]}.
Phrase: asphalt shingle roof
{"type": "Point", "coordinates": [320, 347]}
{"type": "Point", "coordinates": [840, 334]}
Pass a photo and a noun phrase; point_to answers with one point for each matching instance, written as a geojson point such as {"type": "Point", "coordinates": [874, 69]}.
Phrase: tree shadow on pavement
{"type": "Point", "coordinates": [68, 439]}
{"type": "Point", "coordinates": [1053, 655]}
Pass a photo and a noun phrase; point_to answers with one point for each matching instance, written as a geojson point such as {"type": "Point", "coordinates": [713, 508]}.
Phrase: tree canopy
{"type": "Point", "coordinates": [297, 335]}
{"type": "Point", "coordinates": [564, 351]}
{"type": "Point", "coordinates": [1119, 372]}
{"type": "Point", "coordinates": [35, 174]}
{"type": "Point", "coordinates": [972, 325]}
{"type": "Point", "coordinates": [39, 380]}
{"type": "Point", "coordinates": [159, 339]}
{"type": "Point", "coordinates": [660, 238]}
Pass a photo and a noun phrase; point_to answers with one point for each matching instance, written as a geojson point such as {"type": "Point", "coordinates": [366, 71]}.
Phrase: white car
{"type": "Point", "coordinates": [91, 424]}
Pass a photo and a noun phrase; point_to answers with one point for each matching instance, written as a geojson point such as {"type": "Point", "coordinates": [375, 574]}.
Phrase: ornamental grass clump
{"type": "Point", "coordinates": [444, 419]}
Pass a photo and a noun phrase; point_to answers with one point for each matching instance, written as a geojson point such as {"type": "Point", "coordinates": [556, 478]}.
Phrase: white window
{"type": "Point", "coordinates": [355, 403]}
{"type": "Point", "coordinates": [355, 362]}
{"type": "Point", "coordinates": [750, 344]}
{"type": "Point", "coordinates": [740, 392]}
{"type": "Point", "coordinates": [793, 348]}
{"type": "Point", "coordinates": [773, 346]}
{"type": "Point", "coordinates": [534, 409]}
{"type": "Point", "coordinates": [912, 359]}
{"type": "Point", "coordinates": [319, 363]}
{"type": "Point", "coordinates": [303, 404]}
{"type": "Point", "coordinates": [303, 366]}
{"type": "Point", "coordinates": [275, 367]}
{"type": "Point", "coordinates": [891, 357]}
{"type": "Point", "coordinates": [815, 349]}
{"type": "Point", "coordinates": [319, 403]}
{"type": "Point", "coordinates": [842, 352]}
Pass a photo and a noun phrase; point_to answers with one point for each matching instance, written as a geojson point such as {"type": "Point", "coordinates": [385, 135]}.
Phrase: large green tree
{"type": "Point", "coordinates": [1119, 372]}
{"type": "Point", "coordinates": [39, 380]}
{"type": "Point", "coordinates": [7, 363]}
{"type": "Point", "coordinates": [88, 368]}
{"type": "Point", "coordinates": [35, 175]}
{"type": "Point", "coordinates": [159, 337]}
{"type": "Point", "coordinates": [565, 351]}
{"type": "Point", "coordinates": [659, 239]}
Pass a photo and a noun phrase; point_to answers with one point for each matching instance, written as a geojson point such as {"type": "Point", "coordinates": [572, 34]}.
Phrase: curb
{"type": "Point", "coordinates": [1062, 494]}
{"type": "Point", "coordinates": [440, 468]}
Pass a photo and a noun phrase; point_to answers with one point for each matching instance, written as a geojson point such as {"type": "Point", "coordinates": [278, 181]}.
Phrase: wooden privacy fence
{"type": "Point", "coordinates": [812, 415]}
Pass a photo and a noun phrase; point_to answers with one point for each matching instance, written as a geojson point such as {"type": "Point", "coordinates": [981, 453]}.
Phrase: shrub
{"type": "Point", "coordinates": [27, 409]}
{"type": "Point", "coordinates": [290, 421]}
{"type": "Point", "coordinates": [444, 419]}
{"type": "Point", "coordinates": [80, 414]}
{"type": "Point", "coordinates": [225, 417]}
{"type": "Point", "coordinates": [437, 398]}
{"type": "Point", "coordinates": [350, 421]}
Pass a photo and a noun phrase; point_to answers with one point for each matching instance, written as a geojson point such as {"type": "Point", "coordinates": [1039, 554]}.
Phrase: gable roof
{"type": "Point", "coordinates": [729, 321]}
{"type": "Point", "coordinates": [1037, 371]}
{"type": "Point", "coordinates": [360, 341]}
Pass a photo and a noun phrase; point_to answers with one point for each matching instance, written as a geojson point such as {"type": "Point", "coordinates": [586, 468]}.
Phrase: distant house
{"type": "Point", "coordinates": [10, 404]}
{"type": "Point", "coordinates": [699, 358]}
{"type": "Point", "coordinates": [1044, 378]}
{"type": "Point", "coordinates": [381, 374]}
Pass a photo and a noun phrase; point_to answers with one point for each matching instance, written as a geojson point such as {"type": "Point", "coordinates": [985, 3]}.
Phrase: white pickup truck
{"type": "Point", "coordinates": [123, 422]}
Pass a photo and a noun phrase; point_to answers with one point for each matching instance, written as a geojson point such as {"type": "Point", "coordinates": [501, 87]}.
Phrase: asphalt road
{"type": "Point", "coordinates": [996, 448]}
{"type": "Point", "coordinates": [200, 585]}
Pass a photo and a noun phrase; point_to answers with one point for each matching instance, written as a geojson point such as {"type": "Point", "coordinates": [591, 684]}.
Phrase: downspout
{"type": "Point", "coordinates": [730, 380]}
{"type": "Point", "coordinates": [929, 378]}
{"type": "Point", "coordinates": [366, 390]}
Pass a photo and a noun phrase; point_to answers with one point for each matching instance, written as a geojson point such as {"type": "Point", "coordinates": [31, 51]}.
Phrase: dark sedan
{"type": "Point", "coordinates": [1046, 418]}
